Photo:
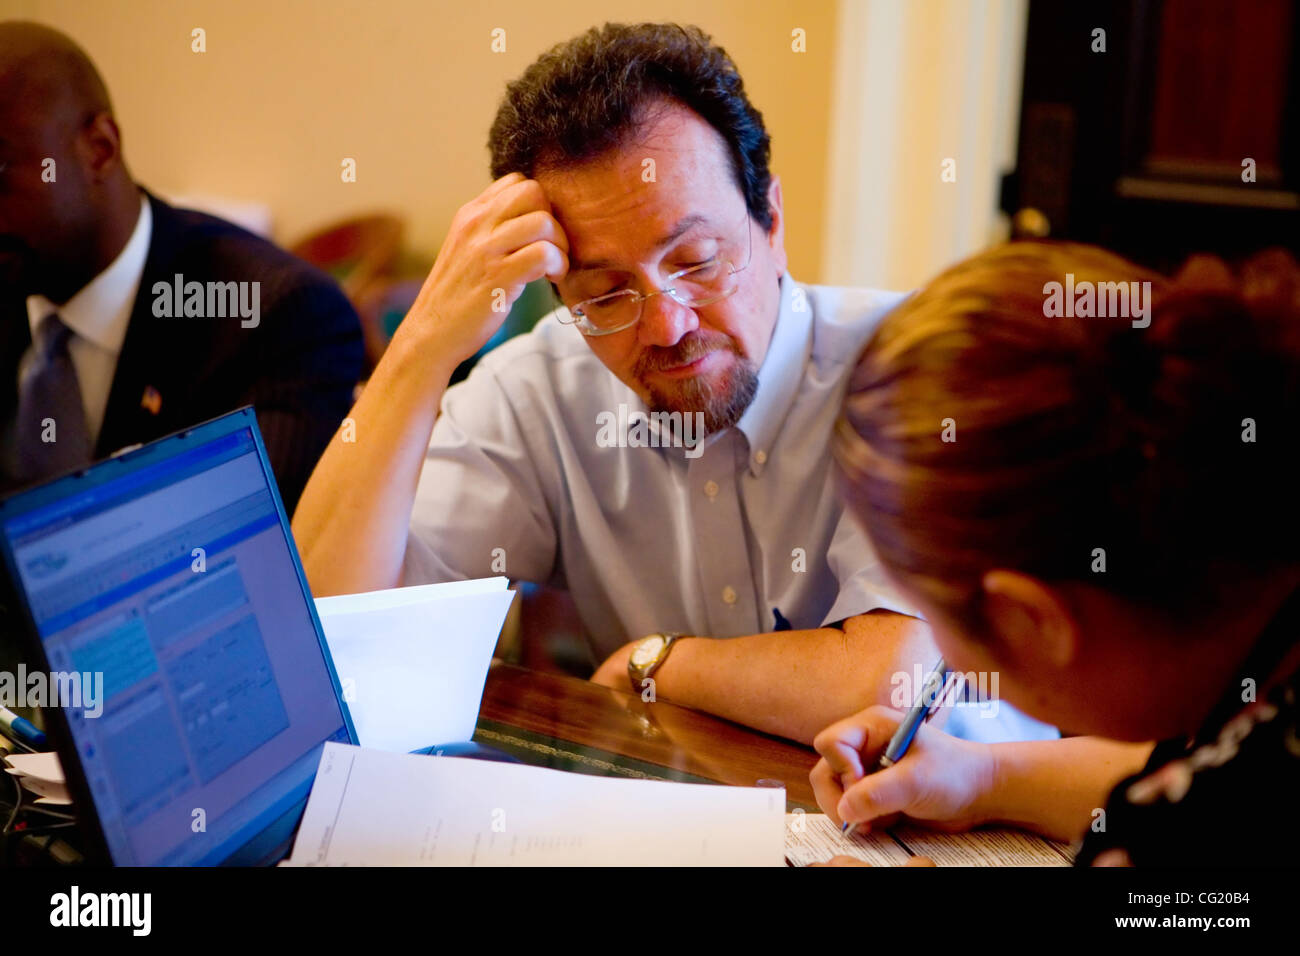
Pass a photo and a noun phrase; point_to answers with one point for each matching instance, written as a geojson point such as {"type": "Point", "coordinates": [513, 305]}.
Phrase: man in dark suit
{"type": "Point", "coordinates": [96, 349]}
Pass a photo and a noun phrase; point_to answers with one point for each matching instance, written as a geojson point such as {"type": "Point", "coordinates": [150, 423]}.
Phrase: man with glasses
{"type": "Point", "coordinates": [633, 174]}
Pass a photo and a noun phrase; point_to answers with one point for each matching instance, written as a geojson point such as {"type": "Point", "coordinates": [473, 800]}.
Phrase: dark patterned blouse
{"type": "Point", "coordinates": [1228, 797]}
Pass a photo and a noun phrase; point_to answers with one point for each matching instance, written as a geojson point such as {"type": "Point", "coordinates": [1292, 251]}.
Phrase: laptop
{"type": "Point", "coordinates": [163, 584]}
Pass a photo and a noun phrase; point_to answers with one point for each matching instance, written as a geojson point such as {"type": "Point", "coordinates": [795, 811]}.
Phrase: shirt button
{"type": "Point", "coordinates": [760, 456]}
{"type": "Point", "coordinates": [711, 488]}
{"type": "Point", "coordinates": [729, 595]}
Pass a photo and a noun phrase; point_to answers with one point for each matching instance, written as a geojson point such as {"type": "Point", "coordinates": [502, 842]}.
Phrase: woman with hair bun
{"type": "Point", "coordinates": [1105, 513]}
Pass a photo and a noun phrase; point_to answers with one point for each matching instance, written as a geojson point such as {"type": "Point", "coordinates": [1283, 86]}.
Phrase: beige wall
{"type": "Point", "coordinates": [408, 88]}
{"type": "Point", "coordinates": [917, 84]}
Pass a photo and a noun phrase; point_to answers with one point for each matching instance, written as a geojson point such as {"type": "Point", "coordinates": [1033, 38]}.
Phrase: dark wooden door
{"type": "Point", "coordinates": [1181, 135]}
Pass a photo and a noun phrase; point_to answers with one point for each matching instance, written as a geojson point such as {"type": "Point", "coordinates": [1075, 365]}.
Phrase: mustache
{"type": "Point", "coordinates": [692, 346]}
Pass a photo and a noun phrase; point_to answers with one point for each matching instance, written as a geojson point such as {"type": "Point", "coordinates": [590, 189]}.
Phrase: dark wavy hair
{"type": "Point", "coordinates": [590, 94]}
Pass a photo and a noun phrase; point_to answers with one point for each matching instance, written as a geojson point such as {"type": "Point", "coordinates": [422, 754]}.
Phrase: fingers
{"type": "Point", "coordinates": [515, 199]}
{"type": "Point", "coordinates": [842, 861]}
{"type": "Point", "coordinates": [850, 744]}
{"type": "Point", "coordinates": [499, 186]}
{"type": "Point", "coordinates": [920, 861]}
{"type": "Point", "coordinates": [536, 226]}
{"type": "Point", "coordinates": [530, 240]}
{"type": "Point", "coordinates": [840, 746]}
{"type": "Point", "coordinates": [890, 791]}
{"type": "Point", "coordinates": [827, 789]}
{"type": "Point", "coordinates": [509, 197]}
{"type": "Point", "coordinates": [536, 260]}
{"type": "Point", "coordinates": [848, 747]}
{"type": "Point", "coordinates": [497, 243]}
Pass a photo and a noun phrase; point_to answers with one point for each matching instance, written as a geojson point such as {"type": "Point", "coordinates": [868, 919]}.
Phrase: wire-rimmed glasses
{"type": "Point", "coordinates": [694, 287]}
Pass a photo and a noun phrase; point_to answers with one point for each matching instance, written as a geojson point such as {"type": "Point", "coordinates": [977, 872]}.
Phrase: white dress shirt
{"type": "Point", "coordinates": [646, 539]}
{"type": "Point", "coordinates": [98, 316]}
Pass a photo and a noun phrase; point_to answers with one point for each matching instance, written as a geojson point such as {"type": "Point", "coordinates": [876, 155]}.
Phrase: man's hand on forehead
{"type": "Point", "coordinates": [498, 242]}
{"type": "Point", "coordinates": [523, 216]}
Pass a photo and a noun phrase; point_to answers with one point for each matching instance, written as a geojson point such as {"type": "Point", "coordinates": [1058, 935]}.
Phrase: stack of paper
{"type": "Point", "coordinates": [41, 774]}
{"type": "Point", "coordinates": [412, 661]}
{"type": "Point", "coordinates": [370, 808]}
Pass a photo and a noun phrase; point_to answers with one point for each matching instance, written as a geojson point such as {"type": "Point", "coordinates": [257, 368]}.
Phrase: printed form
{"type": "Point", "coordinates": [812, 838]}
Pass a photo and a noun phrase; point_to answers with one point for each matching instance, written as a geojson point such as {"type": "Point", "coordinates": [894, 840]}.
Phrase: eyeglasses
{"type": "Point", "coordinates": [695, 287]}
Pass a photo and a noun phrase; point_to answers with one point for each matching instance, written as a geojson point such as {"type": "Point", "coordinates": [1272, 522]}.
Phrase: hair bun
{"type": "Point", "coordinates": [1266, 287]}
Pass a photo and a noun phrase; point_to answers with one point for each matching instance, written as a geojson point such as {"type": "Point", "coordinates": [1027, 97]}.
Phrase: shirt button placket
{"type": "Point", "coordinates": [721, 542]}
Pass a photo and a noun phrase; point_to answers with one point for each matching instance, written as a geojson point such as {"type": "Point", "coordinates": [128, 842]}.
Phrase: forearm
{"type": "Point", "coordinates": [1053, 787]}
{"type": "Point", "coordinates": [796, 683]}
{"type": "Point", "coordinates": [352, 520]}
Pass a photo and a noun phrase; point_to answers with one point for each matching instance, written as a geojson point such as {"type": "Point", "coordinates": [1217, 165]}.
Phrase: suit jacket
{"type": "Point", "coordinates": [297, 367]}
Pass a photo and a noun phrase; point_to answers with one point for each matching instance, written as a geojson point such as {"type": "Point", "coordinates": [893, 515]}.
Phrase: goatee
{"type": "Point", "coordinates": [722, 399]}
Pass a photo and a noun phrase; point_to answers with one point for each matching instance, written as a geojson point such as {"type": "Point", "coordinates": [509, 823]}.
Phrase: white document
{"type": "Point", "coordinates": [812, 838]}
{"type": "Point", "coordinates": [415, 594]}
{"type": "Point", "coordinates": [42, 774]}
{"type": "Point", "coordinates": [372, 808]}
{"type": "Point", "coordinates": [413, 661]}
{"type": "Point", "coordinates": [996, 847]}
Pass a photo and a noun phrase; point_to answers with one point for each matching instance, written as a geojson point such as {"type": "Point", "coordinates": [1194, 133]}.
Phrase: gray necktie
{"type": "Point", "coordinates": [50, 427]}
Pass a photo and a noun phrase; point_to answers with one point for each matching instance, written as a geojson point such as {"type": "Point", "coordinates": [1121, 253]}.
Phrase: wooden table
{"type": "Point", "coordinates": [558, 721]}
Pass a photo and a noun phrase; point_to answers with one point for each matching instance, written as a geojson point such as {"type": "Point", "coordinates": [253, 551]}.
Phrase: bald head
{"type": "Point", "coordinates": [45, 68]}
{"type": "Point", "coordinates": [67, 202]}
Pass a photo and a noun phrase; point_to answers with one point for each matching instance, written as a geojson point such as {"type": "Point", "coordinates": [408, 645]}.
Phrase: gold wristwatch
{"type": "Point", "coordinates": [647, 656]}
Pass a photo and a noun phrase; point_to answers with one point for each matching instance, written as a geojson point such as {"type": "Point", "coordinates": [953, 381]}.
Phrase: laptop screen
{"type": "Point", "coordinates": [171, 591]}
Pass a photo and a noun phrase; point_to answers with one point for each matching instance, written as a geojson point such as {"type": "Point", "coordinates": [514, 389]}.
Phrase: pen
{"type": "Point", "coordinates": [902, 738]}
{"type": "Point", "coordinates": [21, 729]}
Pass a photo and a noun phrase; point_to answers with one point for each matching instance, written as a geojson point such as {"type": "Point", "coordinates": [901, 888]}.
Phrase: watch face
{"type": "Point", "coordinates": [647, 651]}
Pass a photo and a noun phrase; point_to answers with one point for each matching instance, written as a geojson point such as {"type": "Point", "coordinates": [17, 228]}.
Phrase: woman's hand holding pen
{"type": "Point", "coordinates": [941, 782]}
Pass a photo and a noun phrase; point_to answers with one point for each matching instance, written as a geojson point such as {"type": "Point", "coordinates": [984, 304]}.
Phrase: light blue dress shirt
{"type": "Point", "coordinates": [646, 539]}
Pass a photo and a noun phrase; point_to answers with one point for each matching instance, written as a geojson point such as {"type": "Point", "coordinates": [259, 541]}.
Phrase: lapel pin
{"type": "Point", "coordinates": [151, 400]}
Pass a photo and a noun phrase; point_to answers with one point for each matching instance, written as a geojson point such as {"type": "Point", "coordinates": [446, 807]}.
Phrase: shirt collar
{"type": "Point", "coordinates": [101, 309]}
{"type": "Point", "coordinates": [780, 375]}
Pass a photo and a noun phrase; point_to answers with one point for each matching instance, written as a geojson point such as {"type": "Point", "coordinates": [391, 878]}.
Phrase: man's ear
{"type": "Point", "coordinates": [776, 235]}
{"type": "Point", "coordinates": [100, 146]}
{"type": "Point", "coordinates": [1029, 621]}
